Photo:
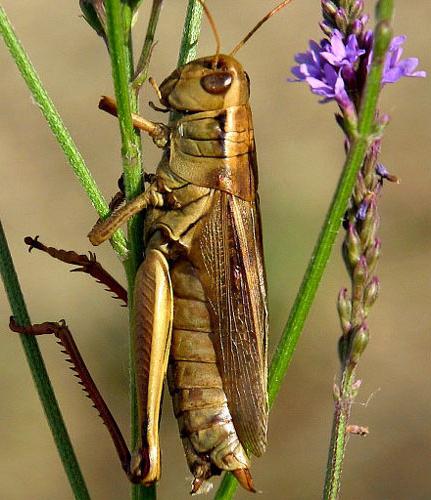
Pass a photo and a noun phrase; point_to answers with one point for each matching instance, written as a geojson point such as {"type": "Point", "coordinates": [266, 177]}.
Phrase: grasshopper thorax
{"type": "Point", "coordinates": [206, 84]}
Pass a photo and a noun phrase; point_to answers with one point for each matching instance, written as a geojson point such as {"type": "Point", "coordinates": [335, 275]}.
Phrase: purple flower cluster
{"type": "Point", "coordinates": [330, 67]}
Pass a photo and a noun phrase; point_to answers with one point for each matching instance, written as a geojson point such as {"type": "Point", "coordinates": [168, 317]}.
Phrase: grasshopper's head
{"type": "Point", "coordinates": [206, 84]}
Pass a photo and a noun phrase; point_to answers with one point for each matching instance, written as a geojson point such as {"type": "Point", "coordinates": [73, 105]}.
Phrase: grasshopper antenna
{"type": "Point", "coordinates": [258, 25]}
{"type": "Point", "coordinates": [214, 30]}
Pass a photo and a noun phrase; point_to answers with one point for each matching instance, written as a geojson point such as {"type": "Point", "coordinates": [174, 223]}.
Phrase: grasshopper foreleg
{"type": "Point", "coordinates": [104, 229]}
{"type": "Point", "coordinates": [159, 132]}
{"type": "Point", "coordinates": [65, 339]}
{"type": "Point", "coordinates": [86, 264]}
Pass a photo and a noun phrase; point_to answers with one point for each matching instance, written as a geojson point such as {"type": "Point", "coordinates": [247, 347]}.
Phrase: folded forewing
{"type": "Point", "coordinates": [234, 281]}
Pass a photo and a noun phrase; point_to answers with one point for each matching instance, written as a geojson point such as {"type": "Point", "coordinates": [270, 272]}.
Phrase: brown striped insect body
{"type": "Point", "coordinates": [209, 242]}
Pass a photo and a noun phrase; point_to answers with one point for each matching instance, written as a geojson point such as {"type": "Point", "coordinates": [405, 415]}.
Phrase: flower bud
{"type": "Point", "coordinates": [356, 27]}
{"type": "Point", "coordinates": [359, 190]}
{"type": "Point", "coordinates": [361, 270]}
{"type": "Point", "coordinates": [359, 279]}
{"type": "Point", "coordinates": [326, 27]}
{"type": "Point", "coordinates": [359, 343]}
{"type": "Point", "coordinates": [370, 224]}
{"type": "Point", "coordinates": [329, 8]}
{"type": "Point", "coordinates": [372, 255]}
{"type": "Point", "coordinates": [371, 293]}
{"type": "Point", "coordinates": [341, 20]}
{"type": "Point", "coordinates": [361, 213]}
{"type": "Point", "coordinates": [357, 8]}
{"type": "Point", "coordinates": [350, 116]}
{"type": "Point", "coordinates": [344, 307]}
{"type": "Point", "coordinates": [95, 14]}
{"type": "Point", "coordinates": [352, 247]}
{"type": "Point", "coordinates": [384, 174]}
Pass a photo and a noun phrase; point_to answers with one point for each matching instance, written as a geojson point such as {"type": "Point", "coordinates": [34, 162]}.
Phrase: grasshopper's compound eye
{"type": "Point", "coordinates": [217, 83]}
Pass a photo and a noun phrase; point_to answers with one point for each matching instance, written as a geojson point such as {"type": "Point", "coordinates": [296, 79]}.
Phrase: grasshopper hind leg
{"type": "Point", "coordinates": [61, 331]}
{"type": "Point", "coordinates": [153, 306]}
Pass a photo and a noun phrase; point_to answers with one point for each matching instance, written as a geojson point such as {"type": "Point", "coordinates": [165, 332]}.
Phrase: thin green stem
{"type": "Point", "coordinates": [56, 124]}
{"type": "Point", "coordinates": [144, 59]}
{"type": "Point", "coordinates": [322, 250]}
{"type": "Point", "coordinates": [119, 39]}
{"type": "Point", "coordinates": [39, 374]}
{"type": "Point", "coordinates": [191, 32]}
{"type": "Point", "coordinates": [343, 407]}
{"type": "Point", "coordinates": [119, 25]}
{"type": "Point", "coordinates": [190, 37]}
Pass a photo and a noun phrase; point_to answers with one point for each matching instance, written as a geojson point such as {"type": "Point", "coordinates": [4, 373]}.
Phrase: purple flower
{"type": "Point", "coordinates": [324, 67]}
{"type": "Point", "coordinates": [330, 68]}
{"type": "Point", "coordinates": [395, 67]}
{"type": "Point", "coordinates": [382, 172]}
{"type": "Point", "coordinates": [362, 211]}
{"type": "Point", "coordinates": [338, 54]}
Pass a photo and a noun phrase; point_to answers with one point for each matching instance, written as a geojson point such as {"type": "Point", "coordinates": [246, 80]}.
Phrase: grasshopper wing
{"type": "Point", "coordinates": [232, 273]}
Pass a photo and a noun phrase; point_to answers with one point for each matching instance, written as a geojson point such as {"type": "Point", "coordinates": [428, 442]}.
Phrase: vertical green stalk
{"type": "Point", "coordinates": [191, 32]}
{"type": "Point", "coordinates": [141, 73]}
{"type": "Point", "coordinates": [119, 24]}
{"type": "Point", "coordinates": [343, 406]}
{"type": "Point", "coordinates": [39, 374]}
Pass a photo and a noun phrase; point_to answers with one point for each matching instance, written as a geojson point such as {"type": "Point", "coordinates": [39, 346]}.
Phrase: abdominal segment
{"type": "Point", "coordinates": [205, 423]}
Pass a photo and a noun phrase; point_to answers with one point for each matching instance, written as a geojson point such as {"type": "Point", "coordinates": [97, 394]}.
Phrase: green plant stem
{"type": "Point", "coordinates": [142, 67]}
{"type": "Point", "coordinates": [191, 32]}
{"type": "Point", "coordinates": [119, 39]}
{"type": "Point", "coordinates": [119, 25]}
{"type": "Point", "coordinates": [57, 126]}
{"type": "Point", "coordinates": [190, 37]}
{"type": "Point", "coordinates": [39, 374]}
{"type": "Point", "coordinates": [343, 407]}
{"type": "Point", "coordinates": [322, 250]}
{"type": "Point", "coordinates": [366, 127]}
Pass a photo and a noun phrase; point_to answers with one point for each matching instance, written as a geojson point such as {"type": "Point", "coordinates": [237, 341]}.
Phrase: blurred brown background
{"type": "Point", "coordinates": [300, 156]}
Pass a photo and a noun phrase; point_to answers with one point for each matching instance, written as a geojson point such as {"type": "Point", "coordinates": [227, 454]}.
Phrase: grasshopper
{"type": "Point", "coordinates": [200, 308]}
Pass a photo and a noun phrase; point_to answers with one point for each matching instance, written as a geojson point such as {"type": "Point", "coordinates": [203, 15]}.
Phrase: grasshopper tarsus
{"type": "Point", "coordinates": [119, 197]}
{"type": "Point", "coordinates": [117, 200]}
{"type": "Point", "coordinates": [45, 328]}
{"type": "Point", "coordinates": [32, 242]}
{"type": "Point", "coordinates": [86, 264]}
